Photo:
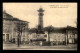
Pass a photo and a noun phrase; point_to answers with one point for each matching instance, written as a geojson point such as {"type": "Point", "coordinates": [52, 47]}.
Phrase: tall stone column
{"type": "Point", "coordinates": [41, 17]}
{"type": "Point", "coordinates": [40, 25]}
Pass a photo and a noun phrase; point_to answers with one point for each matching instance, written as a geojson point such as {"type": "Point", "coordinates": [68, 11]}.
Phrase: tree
{"type": "Point", "coordinates": [19, 28]}
{"type": "Point", "coordinates": [33, 30]}
{"type": "Point", "coordinates": [49, 29]}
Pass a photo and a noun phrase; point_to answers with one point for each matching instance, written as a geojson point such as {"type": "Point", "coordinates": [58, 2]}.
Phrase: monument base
{"type": "Point", "coordinates": [40, 32]}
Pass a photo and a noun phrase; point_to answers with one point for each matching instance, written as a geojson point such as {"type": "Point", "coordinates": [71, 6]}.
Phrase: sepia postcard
{"type": "Point", "coordinates": [40, 26]}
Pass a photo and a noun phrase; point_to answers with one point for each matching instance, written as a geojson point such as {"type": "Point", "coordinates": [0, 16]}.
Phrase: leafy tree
{"type": "Point", "coordinates": [49, 29]}
{"type": "Point", "coordinates": [20, 26]}
{"type": "Point", "coordinates": [33, 30]}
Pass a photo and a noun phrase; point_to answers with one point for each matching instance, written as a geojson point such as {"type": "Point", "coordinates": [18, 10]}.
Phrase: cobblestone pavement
{"type": "Point", "coordinates": [27, 47]}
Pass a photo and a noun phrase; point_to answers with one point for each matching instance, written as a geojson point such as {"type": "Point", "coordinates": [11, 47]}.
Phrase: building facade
{"type": "Point", "coordinates": [64, 38]}
{"type": "Point", "coordinates": [71, 35]}
{"type": "Point", "coordinates": [57, 38]}
{"type": "Point", "coordinates": [10, 28]}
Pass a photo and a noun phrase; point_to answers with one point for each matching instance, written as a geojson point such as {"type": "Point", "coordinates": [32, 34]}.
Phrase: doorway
{"type": "Point", "coordinates": [3, 37]}
{"type": "Point", "coordinates": [7, 37]}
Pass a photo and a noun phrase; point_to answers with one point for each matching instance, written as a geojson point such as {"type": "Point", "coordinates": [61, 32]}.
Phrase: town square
{"type": "Point", "coordinates": [40, 26]}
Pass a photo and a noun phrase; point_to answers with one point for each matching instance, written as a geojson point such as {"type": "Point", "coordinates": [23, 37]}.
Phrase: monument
{"type": "Point", "coordinates": [40, 25]}
{"type": "Point", "coordinates": [41, 36]}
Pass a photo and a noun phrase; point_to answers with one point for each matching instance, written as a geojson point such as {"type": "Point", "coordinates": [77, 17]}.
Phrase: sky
{"type": "Point", "coordinates": [55, 14]}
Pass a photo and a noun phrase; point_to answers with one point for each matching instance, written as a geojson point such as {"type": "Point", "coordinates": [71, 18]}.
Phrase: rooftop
{"type": "Point", "coordinates": [10, 17]}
